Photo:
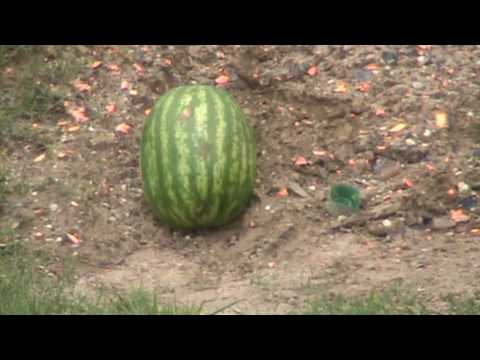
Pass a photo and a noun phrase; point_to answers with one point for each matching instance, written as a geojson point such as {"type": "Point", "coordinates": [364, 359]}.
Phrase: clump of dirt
{"type": "Point", "coordinates": [392, 120]}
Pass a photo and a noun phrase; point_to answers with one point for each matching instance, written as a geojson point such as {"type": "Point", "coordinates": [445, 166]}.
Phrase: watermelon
{"type": "Point", "coordinates": [198, 158]}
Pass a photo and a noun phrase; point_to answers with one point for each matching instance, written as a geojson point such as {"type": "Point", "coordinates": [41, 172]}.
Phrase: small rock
{"type": "Point", "coordinates": [297, 189]}
{"type": "Point", "coordinates": [410, 142]}
{"type": "Point", "coordinates": [424, 60]}
{"type": "Point", "coordinates": [469, 202]}
{"type": "Point", "coordinates": [442, 223]}
{"type": "Point", "coordinates": [387, 223]}
{"type": "Point", "coordinates": [363, 75]}
{"type": "Point", "coordinates": [385, 227]}
{"type": "Point", "coordinates": [390, 57]}
{"type": "Point", "coordinates": [53, 207]}
{"type": "Point", "coordinates": [417, 85]}
{"type": "Point", "coordinates": [463, 188]}
{"type": "Point", "coordinates": [427, 133]}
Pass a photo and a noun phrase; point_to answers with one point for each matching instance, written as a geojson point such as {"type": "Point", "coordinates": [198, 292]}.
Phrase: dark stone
{"type": "Point", "coordinates": [476, 152]}
{"type": "Point", "coordinates": [390, 57]}
{"type": "Point", "coordinates": [363, 75]}
{"type": "Point", "coordinates": [469, 202]}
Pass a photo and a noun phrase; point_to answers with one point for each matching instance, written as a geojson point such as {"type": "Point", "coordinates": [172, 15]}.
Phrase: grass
{"type": "Point", "coordinates": [3, 186]}
{"type": "Point", "coordinates": [393, 301]}
{"type": "Point", "coordinates": [27, 289]}
{"type": "Point", "coordinates": [463, 305]}
{"type": "Point", "coordinates": [29, 95]}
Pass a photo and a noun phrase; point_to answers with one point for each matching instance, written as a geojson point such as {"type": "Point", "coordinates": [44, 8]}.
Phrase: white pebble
{"type": "Point", "coordinates": [312, 188]}
{"type": "Point", "coordinates": [463, 188]}
{"type": "Point", "coordinates": [58, 239]}
{"type": "Point", "coordinates": [410, 142]}
{"type": "Point", "coordinates": [53, 207]}
{"type": "Point", "coordinates": [34, 193]}
{"type": "Point", "coordinates": [427, 133]}
{"type": "Point", "coordinates": [387, 223]}
{"type": "Point", "coordinates": [268, 207]}
{"type": "Point", "coordinates": [49, 226]}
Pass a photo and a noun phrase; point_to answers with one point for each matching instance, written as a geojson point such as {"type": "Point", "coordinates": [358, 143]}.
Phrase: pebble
{"type": "Point", "coordinates": [427, 133]}
{"type": "Point", "coordinates": [49, 226]}
{"type": "Point", "coordinates": [417, 85]}
{"type": "Point", "coordinates": [390, 57]}
{"type": "Point", "coordinates": [463, 188]}
{"type": "Point", "coordinates": [363, 75]}
{"type": "Point", "coordinates": [268, 207]}
{"type": "Point", "coordinates": [34, 193]}
{"type": "Point", "coordinates": [410, 142]}
{"type": "Point", "coordinates": [53, 207]}
{"type": "Point", "coordinates": [387, 223]}
{"type": "Point", "coordinates": [297, 189]}
{"type": "Point", "coordinates": [442, 223]}
{"type": "Point", "coordinates": [424, 60]}
{"type": "Point", "coordinates": [59, 239]}
{"type": "Point", "coordinates": [469, 202]}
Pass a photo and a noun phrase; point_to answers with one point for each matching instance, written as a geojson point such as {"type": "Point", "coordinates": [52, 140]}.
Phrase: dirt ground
{"type": "Point", "coordinates": [398, 122]}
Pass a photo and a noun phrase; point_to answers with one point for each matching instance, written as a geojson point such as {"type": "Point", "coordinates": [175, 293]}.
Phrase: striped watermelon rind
{"type": "Point", "coordinates": [198, 158]}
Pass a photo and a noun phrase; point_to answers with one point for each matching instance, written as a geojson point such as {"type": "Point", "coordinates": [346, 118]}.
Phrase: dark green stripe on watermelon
{"type": "Point", "coordinates": [211, 154]}
{"type": "Point", "coordinates": [243, 162]}
{"type": "Point", "coordinates": [194, 152]}
{"type": "Point", "coordinates": [164, 199]}
{"type": "Point", "coordinates": [227, 148]}
{"type": "Point", "coordinates": [173, 122]}
{"type": "Point", "coordinates": [149, 160]}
